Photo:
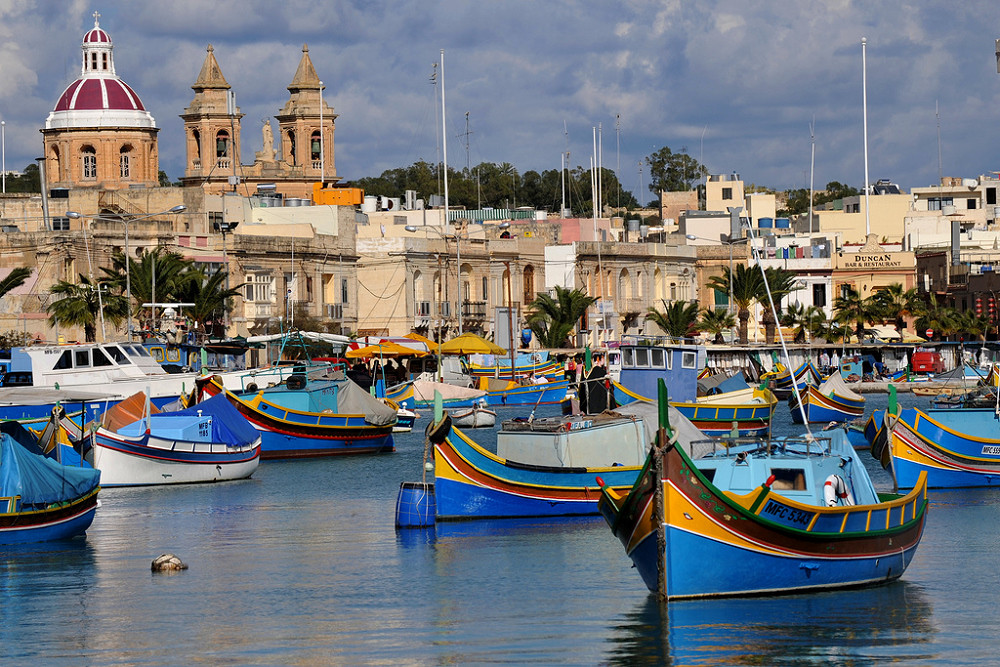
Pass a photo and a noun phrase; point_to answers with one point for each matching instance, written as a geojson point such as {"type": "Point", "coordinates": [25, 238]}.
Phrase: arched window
{"type": "Point", "coordinates": [89, 156]}
{"type": "Point", "coordinates": [292, 157]}
{"type": "Point", "coordinates": [197, 144]}
{"type": "Point", "coordinates": [124, 161]}
{"type": "Point", "coordinates": [55, 165]}
{"type": "Point", "coordinates": [222, 144]}
{"type": "Point", "coordinates": [315, 147]}
{"type": "Point", "coordinates": [624, 285]}
{"type": "Point", "coordinates": [528, 282]}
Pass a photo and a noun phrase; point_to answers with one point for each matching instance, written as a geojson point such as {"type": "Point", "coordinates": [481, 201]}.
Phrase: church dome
{"type": "Point", "coordinates": [98, 98]}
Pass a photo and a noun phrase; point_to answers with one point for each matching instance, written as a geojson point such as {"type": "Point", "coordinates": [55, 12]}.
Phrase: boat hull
{"type": "Point", "coordinates": [474, 418]}
{"type": "Point", "coordinates": [56, 523]}
{"type": "Point", "coordinates": [534, 394]}
{"type": "Point", "coordinates": [472, 483]}
{"type": "Point", "coordinates": [146, 461]}
{"type": "Point", "coordinates": [823, 408]}
{"type": "Point", "coordinates": [288, 433]}
{"type": "Point", "coordinates": [762, 543]}
{"type": "Point", "coordinates": [929, 442]}
{"type": "Point", "coordinates": [714, 415]}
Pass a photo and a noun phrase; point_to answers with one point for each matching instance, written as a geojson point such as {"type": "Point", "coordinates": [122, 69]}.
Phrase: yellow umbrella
{"type": "Point", "coordinates": [384, 349]}
{"type": "Point", "coordinates": [431, 345]}
{"type": "Point", "coordinates": [470, 343]}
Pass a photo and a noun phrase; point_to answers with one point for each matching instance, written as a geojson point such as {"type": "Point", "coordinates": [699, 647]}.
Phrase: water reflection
{"type": "Point", "coordinates": [853, 627]}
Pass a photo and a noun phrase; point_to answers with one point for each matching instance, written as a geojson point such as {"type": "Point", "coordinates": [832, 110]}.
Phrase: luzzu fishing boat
{"type": "Point", "coordinates": [305, 418]}
{"type": "Point", "coordinates": [40, 498]}
{"type": "Point", "coordinates": [832, 401]}
{"type": "Point", "coordinates": [728, 518]}
{"type": "Point", "coordinates": [950, 447]}
{"type": "Point", "coordinates": [544, 467]}
{"type": "Point", "coordinates": [780, 382]}
{"type": "Point", "coordinates": [531, 364]}
{"type": "Point", "coordinates": [137, 445]}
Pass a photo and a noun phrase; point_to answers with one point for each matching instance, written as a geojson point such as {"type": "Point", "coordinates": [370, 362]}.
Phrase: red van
{"type": "Point", "coordinates": [927, 361]}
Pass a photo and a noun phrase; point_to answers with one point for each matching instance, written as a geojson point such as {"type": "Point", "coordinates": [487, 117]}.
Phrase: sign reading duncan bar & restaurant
{"type": "Point", "coordinates": [874, 261]}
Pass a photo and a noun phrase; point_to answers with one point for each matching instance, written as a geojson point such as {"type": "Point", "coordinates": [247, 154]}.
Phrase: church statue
{"type": "Point", "coordinates": [266, 154]}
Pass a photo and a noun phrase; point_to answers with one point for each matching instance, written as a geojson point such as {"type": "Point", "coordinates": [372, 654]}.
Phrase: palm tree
{"type": "Point", "coordinates": [893, 303]}
{"type": "Point", "coordinates": [781, 283]}
{"type": "Point", "coordinates": [803, 319]}
{"type": "Point", "coordinates": [80, 306]}
{"type": "Point", "coordinates": [716, 322]}
{"type": "Point", "coordinates": [746, 285]}
{"type": "Point", "coordinates": [14, 279]}
{"type": "Point", "coordinates": [850, 308]}
{"type": "Point", "coordinates": [553, 319]}
{"type": "Point", "coordinates": [208, 294]}
{"type": "Point", "coordinates": [937, 317]}
{"type": "Point", "coordinates": [677, 320]}
{"type": "Point", "coordinates": [973, 325]}
{"type": "Point", "coordinates": [168, 270]}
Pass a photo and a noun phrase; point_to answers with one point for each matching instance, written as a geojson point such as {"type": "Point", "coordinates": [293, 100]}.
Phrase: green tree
{"type": "Point", "coordinates": [29, 180]}
{"type": "Point", "coordinates": [938, 317]}
{"type": "Point", "coordinates": [850, 308]}
{"type": "Point", "coordinates": [969, 324]}
{"type": "Point", "coordinates": [894, 303]}
{"type": "Point", "coordinates": [672, 172]}
{"type": "Point", "coordinates": [716, 322]}
{"type": "Point", "coordinates": [781, 283]}
{"type": "Point", "coordinates": [803, 319]}
{"type": "Point", "coordinates": [14, 279]}
{"type": "Point", "coordinates": [79, 306]}
{"type": "Point", "coordinates": [212, 301]}
{"type": "Point", "coordinates": [553, 319]}
{"type": "Point", "coordinates": [747, 284]}
{"type": "Point", "coordinates": [677, 319]}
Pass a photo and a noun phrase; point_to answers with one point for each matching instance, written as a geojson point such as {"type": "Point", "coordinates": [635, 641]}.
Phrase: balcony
{"type": "Point", "coordinates": [474, 310]}
{"type": "Point", "coordinates": [632, 305]}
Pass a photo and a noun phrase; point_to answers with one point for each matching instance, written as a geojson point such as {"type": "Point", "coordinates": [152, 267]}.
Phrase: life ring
{"type": "Point", "coordinates": [296, 382]}
{"type": "Point", "coordinates": [835, 491]}
{"type": "Point", "coordinates": [437, 431]}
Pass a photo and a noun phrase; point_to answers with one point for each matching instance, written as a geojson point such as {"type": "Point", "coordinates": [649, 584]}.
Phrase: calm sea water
{"type": "Point", "coordinates": [301, 565]}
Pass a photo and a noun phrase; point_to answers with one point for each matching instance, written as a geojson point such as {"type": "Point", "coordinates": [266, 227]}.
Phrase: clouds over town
{"type": "Point", "coordinates": [736, 84]}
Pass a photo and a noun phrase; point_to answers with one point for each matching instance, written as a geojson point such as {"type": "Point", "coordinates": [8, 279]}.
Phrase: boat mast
{"type": "Point", "coordinates": [864, 101]}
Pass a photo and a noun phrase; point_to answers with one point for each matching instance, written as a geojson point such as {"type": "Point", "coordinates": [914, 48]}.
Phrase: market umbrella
{"type": "Point", "coordinates": [431, 345]}
{"type": "Point", "coordinates": [385, 349]}
{"type": "Point", "coordinates": [470, 343]}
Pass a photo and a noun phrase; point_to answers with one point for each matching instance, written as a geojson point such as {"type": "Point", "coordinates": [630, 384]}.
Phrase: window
{"type": "Point", "coordinates": [222, 144]}
{"type": "Point", "coordinates": [60, 224]}
{"type": "Point", "coordinates": [935, 203]}
{"type": "Point", "coordinates": [65, 361]}
{"type": "Point", "coordinates": [117, 354]}
{"type": "Point", "coordinates": [343, 291]}
{"type": "Point", "coordinates": [641, 357]}
{"type": "Point", "coordinates": [82, 358]}
{"type": "Point", "coordinates": [486, 289]}
{"type": "Point", "coordinates": [89, 163]}
{"type": "Point", "coordinates": [971, 204]}
{"type": "Point", "coordinates": [727, 193]}
{"type": "Point", "coordinates": [991, 196]}
{"type": "Point", "coordinates": [628, 357]}
{"type": "Point", "coordinates": [656, 358]}
{"type": "Point", "coordinates": [124, 161]}
{"type": "Point", "coordinates": [819, 295]}
{"type": "Point", "coordinates": [689, 359]}
{"type": "Point", "coordinates": [101, 359]}
{"type": "Point", "coordinates": [315, 147]}
{"type": "Point", "coordinates": [258, 287]}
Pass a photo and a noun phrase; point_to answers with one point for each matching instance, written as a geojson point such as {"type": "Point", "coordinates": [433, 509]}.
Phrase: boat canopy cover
{"type": "Point", "coordinates": [695, 443]}
{"type": "Point", "coordinates": [39, 480]}
{"type": "Point", "coordinates": [353, 400]}
{"type": "Point", "coordinates": [720, 384]}
{"type": "Point", "coordinates": [424, 391]}
{"type": "Point", "coordinates": [835, 384]}
{"type": "Point", "coordinates": [228, 425]}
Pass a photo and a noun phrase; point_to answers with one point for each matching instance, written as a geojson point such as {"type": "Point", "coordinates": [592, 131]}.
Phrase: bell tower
{"type": "Point", "coordinates": [211, 128]}
{"type": "Point", "coordinates": [306, 124]}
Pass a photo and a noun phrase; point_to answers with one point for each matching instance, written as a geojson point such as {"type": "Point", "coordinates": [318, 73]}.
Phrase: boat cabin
{"type": "Point", "coordinates": [678, 365]}
{"type": "Point", "coordinates": [78, 365]}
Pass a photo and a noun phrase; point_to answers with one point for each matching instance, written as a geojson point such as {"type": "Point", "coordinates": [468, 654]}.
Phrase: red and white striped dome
{"type": "Point", "coordinates": [98, 98]}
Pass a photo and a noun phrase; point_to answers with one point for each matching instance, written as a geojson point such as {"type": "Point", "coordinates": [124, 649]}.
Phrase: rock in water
{"type": "Point", "coordinates": [168, 563]}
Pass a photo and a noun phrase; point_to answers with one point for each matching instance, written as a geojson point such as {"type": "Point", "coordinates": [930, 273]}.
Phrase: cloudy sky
{"type": "Point", "coordinates": [735, 83]}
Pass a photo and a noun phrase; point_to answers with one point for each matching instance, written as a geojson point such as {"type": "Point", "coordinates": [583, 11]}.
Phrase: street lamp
{"type": "Point", "coordinates": [458, 259]}
{"type": "Point", "coordinates": [225, 228]}
{"type": "Point", "coordinates": [180, 208]}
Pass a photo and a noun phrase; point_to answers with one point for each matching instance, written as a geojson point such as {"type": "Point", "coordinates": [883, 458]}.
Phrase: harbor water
{"type": "Point", "coordinates": [302, 565]}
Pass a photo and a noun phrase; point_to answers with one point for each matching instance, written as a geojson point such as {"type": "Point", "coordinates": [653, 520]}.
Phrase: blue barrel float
{"type": "Point", "coordinates": [416, 506]}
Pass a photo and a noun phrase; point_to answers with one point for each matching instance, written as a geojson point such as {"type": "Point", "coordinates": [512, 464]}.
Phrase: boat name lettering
{"type": "Point", "coordinates": [789, 514]}
{"type": "Point", "coordinates": [991, 449]}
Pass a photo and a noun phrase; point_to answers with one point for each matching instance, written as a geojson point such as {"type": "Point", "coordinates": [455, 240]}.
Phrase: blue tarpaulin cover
{"type": "Point", "coordinates": [228, 425]}
{"type": "Point", "coordinates": [39, 480]}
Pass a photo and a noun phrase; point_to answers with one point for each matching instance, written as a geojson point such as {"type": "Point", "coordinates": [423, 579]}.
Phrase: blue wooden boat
{"type": "Point", "coordinates": [780, 382]}
{"type": "Point", "coordinates": [732, 519]}
{"type": "Point", "coordinates": [832, 401]}
{"type": "Point", "coordinates": [420, 394]}
{"type": "Point", "coordinates": [306, 418]}
{"type": "Point", "coordinates": [951, 447]}
{"type": "Point", "coordinates": [544, 467]}
{"type": "Point", "coordinates": [40, 498]}
{"type": "Point", "coordinates": [526, 365]}
{"type": "Point", "coordinates": [505, 393]}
